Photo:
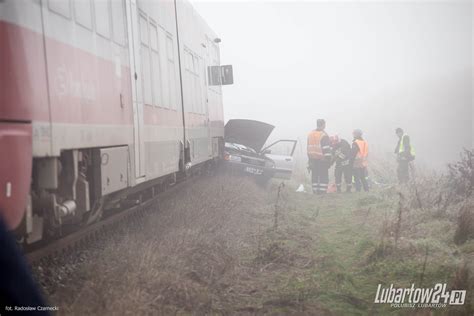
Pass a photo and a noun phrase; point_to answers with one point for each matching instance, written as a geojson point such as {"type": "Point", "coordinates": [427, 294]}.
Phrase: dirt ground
{"type": "Point", "coordinates": [227, 246]}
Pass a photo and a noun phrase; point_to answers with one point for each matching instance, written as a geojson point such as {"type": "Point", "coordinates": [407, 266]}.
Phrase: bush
{"type": "Point", "coordinates": [461, 174]}
{"type": "Point", "coordinates": [461, 184]}
{"type": "Point", "coordinates": [465, 229]}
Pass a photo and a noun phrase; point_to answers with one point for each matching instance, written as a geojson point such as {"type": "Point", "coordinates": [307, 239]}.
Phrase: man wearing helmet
{"type": "Point", "coordinates": [342, 156]}
{"type": "Point", "coordinates": [319, 157]}
{"type": "Point", "coordinates": [360, 151]}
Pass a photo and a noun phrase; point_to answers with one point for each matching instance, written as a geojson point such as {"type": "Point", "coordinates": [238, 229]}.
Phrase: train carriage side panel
{"type": "Point", "coordinates": [201, 104]}
{"type": "Point", "coordinates": [100, 99]}
{"type": "Point", "coordinates": [88, 72]}
{"type": "Point", "coordinates": [159, 71]}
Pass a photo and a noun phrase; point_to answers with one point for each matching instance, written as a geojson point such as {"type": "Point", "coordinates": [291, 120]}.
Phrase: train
{"type": "Point", "coordinates": [102, 102]}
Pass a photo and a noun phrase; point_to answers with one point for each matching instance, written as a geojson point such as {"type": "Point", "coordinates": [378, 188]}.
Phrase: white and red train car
{"type": "Point", "coordinates": [100, 99]}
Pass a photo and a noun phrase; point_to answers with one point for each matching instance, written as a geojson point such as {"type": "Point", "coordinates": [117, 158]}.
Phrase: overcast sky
{"type": "Point", "coordinates": [372, 65]}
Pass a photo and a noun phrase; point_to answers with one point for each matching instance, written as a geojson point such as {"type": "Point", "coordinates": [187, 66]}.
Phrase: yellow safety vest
{"type": "Point", "coordinates": [402, 147]}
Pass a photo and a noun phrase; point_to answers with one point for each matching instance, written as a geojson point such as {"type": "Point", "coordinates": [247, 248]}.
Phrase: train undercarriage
{"type": "Point", "coordinates": [71, 191]}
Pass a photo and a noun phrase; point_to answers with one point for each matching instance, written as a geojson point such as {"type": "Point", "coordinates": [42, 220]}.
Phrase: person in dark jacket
{"type": "Point", "coordinates": [405, 154]}
{"type": "Point", "coordinates": [360, 152]}
{"type": "Point", "coordinates": [319, 157]}
{"type": "Point", "coordinates": [17, 286]}
{"type": "Point", "coordinates": [342, 156]}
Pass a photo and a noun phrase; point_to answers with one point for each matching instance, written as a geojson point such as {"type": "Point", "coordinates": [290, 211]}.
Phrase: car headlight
{"type": "Point", "coordinates": [232, 158]}
{"type": "Point", "coordinates": [235, 158]}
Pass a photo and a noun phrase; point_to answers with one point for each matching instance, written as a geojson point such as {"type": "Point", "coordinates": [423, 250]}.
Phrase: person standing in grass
{"type": "Point", "coordinates": [405, 154]}
{"type": "Point", "coordinates": [319, 157]}
{"type": "Point", "coordinates": [360, 150]}
{"type": "Point", "coordinates": [341, 155]}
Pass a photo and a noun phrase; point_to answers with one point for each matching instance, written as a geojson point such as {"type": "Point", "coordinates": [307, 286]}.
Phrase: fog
{"type": "Point", "coordinates": [369, 65]}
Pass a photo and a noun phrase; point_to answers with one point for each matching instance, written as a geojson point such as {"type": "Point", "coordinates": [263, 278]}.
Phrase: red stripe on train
{"type": "Point", "coordinates": [84, 88]}
{"type": "Point", "coordinates": [87, 89]}
{"type": "Point", "coordinates": [22, 74]}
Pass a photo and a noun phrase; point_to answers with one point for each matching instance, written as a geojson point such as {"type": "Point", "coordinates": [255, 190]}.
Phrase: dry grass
{"type": "Point", "coordinates": [227, 246]}
{"type": "Point", "coordinates": [209, 251]}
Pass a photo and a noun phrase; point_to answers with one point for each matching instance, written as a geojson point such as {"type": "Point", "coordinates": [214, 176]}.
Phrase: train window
{"type": "Point", "coordinates": [186, 62]}
{"type": "Point", "coordinates": [171, 70]}
{"type": "Point", "coordinates": [60, 7]}
{"type": "Point", "coordinates": [118, 22]}
{"type": "Point", "coordinates": [169, 48]}
{"type": "Point", "coordinates": [193, 82]}
{"type": "Point", "coordinates": [172, 86]}
{"type": "Point", "coordinates": [195, 65]}
{"type": "Point", "coordinates": [146, 72]}
{"type": "Point", "coordinates": [165, 80]}
{"type": "Point", "coordinates": [143, 24]}
{"type": "Point", "coordinates": [102, 19]}
{"type": "Point", "coordinates": [83, 13]}
{"type": "Point", "coordinates": [197, 85]}
{"type": "Point", "coordinates": [157, 95]}
{"type": "Point", "coordinates": [188, 79]}
{"type": "Point", "coordinates": [153, 36]}
{"type": "Point", "coordinates": [156, 69]}
{"type": "Point", "coordinates": [145, 59]}
{"type": "Point", "coordinates": [191, 63]}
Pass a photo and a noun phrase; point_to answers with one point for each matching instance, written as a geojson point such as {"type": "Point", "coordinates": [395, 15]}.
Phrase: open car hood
{"type": "Point", "coordinates": [249, 133]}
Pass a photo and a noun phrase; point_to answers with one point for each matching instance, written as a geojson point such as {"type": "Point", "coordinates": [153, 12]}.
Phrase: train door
{"type": "Point", "coordinates": [137, 88]}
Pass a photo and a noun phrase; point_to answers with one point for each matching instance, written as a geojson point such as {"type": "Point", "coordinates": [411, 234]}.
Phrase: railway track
{"type": "Point", "coordinates": [94, 231]}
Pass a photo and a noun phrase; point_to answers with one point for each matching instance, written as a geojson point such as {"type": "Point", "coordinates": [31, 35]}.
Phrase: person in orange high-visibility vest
{"type": "Point", "coordinates": [360, 151]}
{"type": "Point", "coordinates": [319, 157]}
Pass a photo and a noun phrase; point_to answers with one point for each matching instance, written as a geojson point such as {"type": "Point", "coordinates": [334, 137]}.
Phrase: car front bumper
{"type": "Point", "coordinates": [249, 169]}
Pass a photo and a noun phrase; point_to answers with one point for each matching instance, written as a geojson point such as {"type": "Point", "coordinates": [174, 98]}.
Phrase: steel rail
{"type": "Point", "coordinates": [73, 239]}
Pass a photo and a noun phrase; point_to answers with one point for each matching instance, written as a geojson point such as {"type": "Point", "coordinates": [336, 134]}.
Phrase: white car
{"type": "Point", "coordinates": [245, 150]}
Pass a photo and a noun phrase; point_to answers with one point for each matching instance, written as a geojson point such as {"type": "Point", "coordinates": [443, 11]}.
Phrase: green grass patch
{"type": "Point", "coordinates": [354, 249]}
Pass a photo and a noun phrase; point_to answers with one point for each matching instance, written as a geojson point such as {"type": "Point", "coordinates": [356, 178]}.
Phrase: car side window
{"type": "Point", "coordinates": [282, 147]}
